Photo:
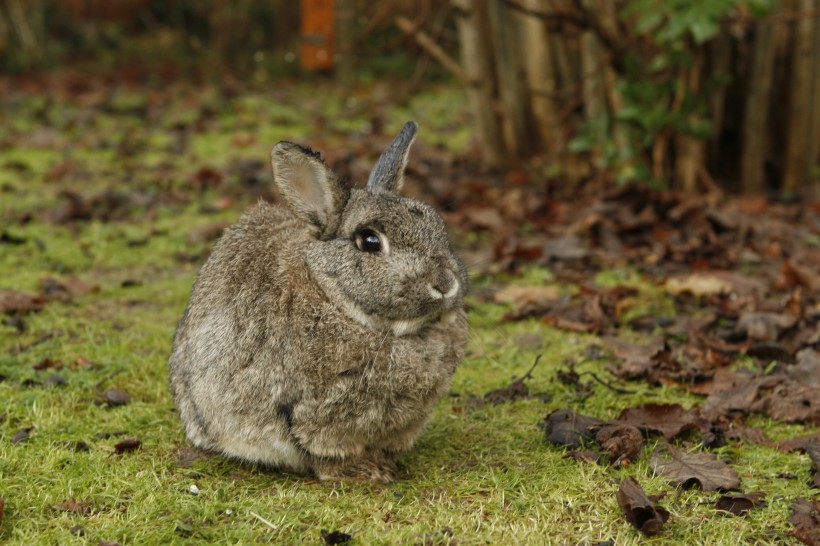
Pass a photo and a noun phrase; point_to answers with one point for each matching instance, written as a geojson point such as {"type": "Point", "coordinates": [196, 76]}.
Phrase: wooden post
{"type": "Point", "coordinates": [541, 79]}
{"type": "Point", "coordinates": [511, 79]}
{"type": "Point", "coordinates": [796, 169]}
{"type": "Point", "coordinates": [345, 22]}
{"type": "Point", "coordinates": [690, 152]}
{"type": "Point", "coordinates": [477, 62]}
{"type": "Point", "coordinates": [317, 22]}
{"type": "Point", "coordinates": [756, 129]}
{"type": "Point", "coordinates": [814, 137]}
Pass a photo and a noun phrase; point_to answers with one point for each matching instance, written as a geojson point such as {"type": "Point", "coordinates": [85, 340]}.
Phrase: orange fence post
{"type": "Point", "coordinates": [317, 37]}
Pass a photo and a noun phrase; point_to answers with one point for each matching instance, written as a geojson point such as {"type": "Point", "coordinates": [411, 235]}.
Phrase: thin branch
{"type": "Point", "coordinates": [429, 45]}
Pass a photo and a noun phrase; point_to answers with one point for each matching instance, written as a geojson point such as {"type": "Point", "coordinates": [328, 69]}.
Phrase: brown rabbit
{"type": "Point", "coordinates": [320, 334]}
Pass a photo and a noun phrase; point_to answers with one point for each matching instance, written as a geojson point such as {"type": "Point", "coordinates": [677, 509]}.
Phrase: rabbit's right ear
{"type": "Point", "coordinates": [308, 186]}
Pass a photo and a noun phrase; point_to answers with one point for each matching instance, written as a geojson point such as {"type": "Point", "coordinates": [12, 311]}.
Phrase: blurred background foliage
{"type": "Point", "coordinates": [707, 96]}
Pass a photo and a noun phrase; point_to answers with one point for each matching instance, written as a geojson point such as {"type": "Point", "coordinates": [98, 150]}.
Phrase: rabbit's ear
{"type": "Point", "coordinates": [388, 173]}
{"type": "Point", "coordinates": [308, 186]}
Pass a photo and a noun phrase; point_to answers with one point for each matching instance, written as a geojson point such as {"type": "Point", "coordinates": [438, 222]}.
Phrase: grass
{"type": "Point", "coordinates": [480, 473]}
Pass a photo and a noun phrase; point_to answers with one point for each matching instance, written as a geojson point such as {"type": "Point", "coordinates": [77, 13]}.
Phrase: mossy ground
{"type": "Point", "coordinates": [480, 474]}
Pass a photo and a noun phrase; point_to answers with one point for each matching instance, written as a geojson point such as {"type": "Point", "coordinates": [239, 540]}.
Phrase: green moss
{"type": "Point", "coordinates": [479, 474]}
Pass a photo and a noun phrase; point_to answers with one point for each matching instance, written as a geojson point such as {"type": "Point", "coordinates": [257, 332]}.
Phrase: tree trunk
{"type": "Point", "coordinates": [511, 80]}
{"type": "Point", "coordinates": [345, 41]}
{"type": "Point", "coordinates": [756, 129]}
{"type": "Point", "coordinates": [477, 62]}
{"type": "Point", "coordinates": [690, 152]}
{"type": "Point", "coordinates": [796, 169]}
{"type": "Point", "coordinates": [593, 86]}
{"type": "Point", "coordinates": [541, 80]}
{"type": "Point", "coordinates": [814, 137]}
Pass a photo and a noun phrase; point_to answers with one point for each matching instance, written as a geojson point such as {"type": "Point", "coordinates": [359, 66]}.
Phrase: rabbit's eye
{"type": "Point", "coordinates": [368, 240]}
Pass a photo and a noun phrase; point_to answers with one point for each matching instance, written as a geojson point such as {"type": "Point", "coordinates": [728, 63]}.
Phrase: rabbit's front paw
{"type": "Point", "coordinates": [377, 466]}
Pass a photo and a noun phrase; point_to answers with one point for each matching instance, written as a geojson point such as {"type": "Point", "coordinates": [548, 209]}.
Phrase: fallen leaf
{"type": "Point", "coordinates": [66, 289]}
{"type": "Point", "coordinates": [129, 444]}
{"type": "Point", "coordinates": [739, 397]}
{"type": "Point", "coordinates": [515, 390]}
{"type": "Point", "coordinates": [769, 351]}
{"type": "Point", "coordinates": [567, 247]}
{"type": "Point", "coordinates": [806, 369]}
{"type": "Point", "coordinates": [623, 442]}
{"type": "Point", "coordinates": [668, 419]}
{"type": "Point", "coordinates": [77, 446]}
{"type": "Point", "coordinates": [698, 284]}
{"type": "Point", "coordinates": [813, 450]}
{"type": "Point", "coordinates": [484, 217]}
{"type": "Point", "coordinates": [799, 443]}
{"type": "Point", "coordinates": [763, 326]}
{"type": "Point", "coordinates": [48, 364]}
{"type": "Point", "coordinates": [645, 515]}
{"type": "Point", "coordinates": [14, 301]}
{"type": "Point", "coordinates": [114, 397]}
{"type": "Point", "coordinates": [335, 537]}
{"type": "Point", "coordinates": [55, 380]}
{"type": "Point", "coordinates": [526, 295]}
{"type": "Point", "coordinates": [636, 357]}
{"type": "Point", "coordinates": [793, 273]}
{"type": "Point", "coordinates": [74, 506]}
{"type": "Point", "coordinates": [806, 520]}
{"type": "Point", "coordinates": [740, 504]}
{"type": "Point", "coordinates": [702, 470]}
{"type": "Point", "coordinates": [569, 429]}
{"type": "Point", "coordinates": [586, 456]}
{"type": "Point", "coordinates": [22, 435]}
{"type": "Point", "coordinates": [790, 402]}
{"type": "Point", "coordinates": [2, 506]}
{"type": "Point", "coordinates": [206, 177]}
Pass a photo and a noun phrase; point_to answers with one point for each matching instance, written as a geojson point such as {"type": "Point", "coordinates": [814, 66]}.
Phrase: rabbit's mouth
{"type": "Point", "coordinates": [398, 327]}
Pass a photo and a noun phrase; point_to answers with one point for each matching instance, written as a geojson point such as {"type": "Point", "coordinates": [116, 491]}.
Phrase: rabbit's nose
{"type": "Point", "coordinates": [445, 286]}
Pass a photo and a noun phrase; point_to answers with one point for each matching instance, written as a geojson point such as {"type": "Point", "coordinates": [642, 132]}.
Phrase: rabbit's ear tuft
{"type": "Point", "coordinates": [388, 173]}
{"type": "Point", "coordinates": [308, 186]}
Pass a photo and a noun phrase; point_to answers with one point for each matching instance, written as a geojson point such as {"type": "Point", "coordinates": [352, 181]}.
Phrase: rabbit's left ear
{"type": "Point", "coordinates": [388, 173]}
{"type": "Point", "coordinates": [308, 186]}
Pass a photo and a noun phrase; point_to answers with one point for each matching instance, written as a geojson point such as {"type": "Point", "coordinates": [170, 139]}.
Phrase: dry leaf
{"type": "Point", "coordinates": [14, 301]}
{"type": "Point", "coordinates": [806, 521]}
{"type": "Point", "coordinates": [740, 504]}
{"type": "Point", "coordinates": [129, 444]}
{"type": "Point", "coordinates": [22, 435]}
{"type": "Point", "coordinates": [702, 470]}
{"type": "Point", "coordinates": [764, 326]}
{"type": "Point", "coordinates": [74, 506]}
{"type": "Point", "coordinates": [335, 537]}
{"type": "Point", "coordinates": [698, 284]}
{"type": "Point", "coordinates": [115, 397]}
{"type": "Point", "coordinates": [569, 429]}
{"type": "Point", "coordinates": [642, 513]}
{"type": "Point", "coordinates": [526, 295]}
{"type": "Point", "coordinates": [668, 419]}
{"type": "Point", "coordinates": [623, 442]}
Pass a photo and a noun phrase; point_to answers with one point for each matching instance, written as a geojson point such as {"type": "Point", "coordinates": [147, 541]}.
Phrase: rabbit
{"type": "Point", "coordinates": [320, 333]}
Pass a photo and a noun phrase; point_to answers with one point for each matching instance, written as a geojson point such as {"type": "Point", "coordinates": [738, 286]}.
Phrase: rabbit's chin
{"type": "Point", "coordinates": [398, 327]}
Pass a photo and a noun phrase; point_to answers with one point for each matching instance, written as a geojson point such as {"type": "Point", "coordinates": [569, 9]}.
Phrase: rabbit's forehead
{"type": "Point", "coordinates": [393, 215]}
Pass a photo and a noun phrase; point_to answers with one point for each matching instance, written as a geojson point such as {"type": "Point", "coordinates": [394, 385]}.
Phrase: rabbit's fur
{"type": "Point", "coordinates": [300, 350]}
